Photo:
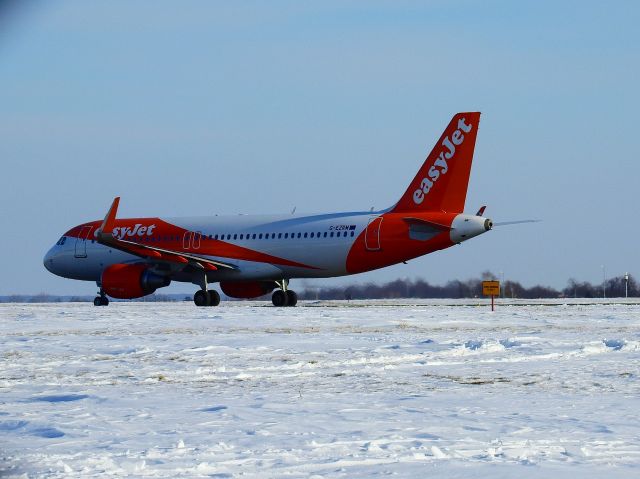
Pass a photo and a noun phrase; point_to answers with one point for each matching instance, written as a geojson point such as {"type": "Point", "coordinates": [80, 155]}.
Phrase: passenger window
{"type": "Point", "coordinates": [273, 236]}
{"type": "Point", "coordinates": [235, 237]}
{"type": "Point", "coordinates": [215, 237]}
{"type": "Point", "coordinates": [260, 236]}
{"type": "Point", "coordinates": [325, 234]}
{"type": "Point", "coordinates": [352, 234]}
{"type": "Point", "coordinates": [331, 234]}
{"type": "Point", "coordinates": [344, 234]}
{"type": "Point", "coordinates": [299, 235]}
{"type": "Point", "coordinates": [312, 235]}
{"type": "Point", "coordinates": [286, 235]}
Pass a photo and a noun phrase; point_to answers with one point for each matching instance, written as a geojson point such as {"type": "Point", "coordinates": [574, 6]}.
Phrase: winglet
{"type": "Point", "coordinates": [106, 228]}
{"type": "Point", "coordinates": [481, 211]}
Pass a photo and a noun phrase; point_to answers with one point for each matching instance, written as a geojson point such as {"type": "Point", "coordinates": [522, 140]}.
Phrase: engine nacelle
{"type": "Point", "coordinates": [128, 281]}
{"type": "Point", "coordinates": [246, 289]}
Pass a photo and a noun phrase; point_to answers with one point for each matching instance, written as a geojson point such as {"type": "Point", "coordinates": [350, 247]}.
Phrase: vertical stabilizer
{"type": "Point", "coordinates": [442, 181]}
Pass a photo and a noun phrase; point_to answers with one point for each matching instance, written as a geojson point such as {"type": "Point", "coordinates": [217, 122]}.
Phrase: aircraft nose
{"type": "Point", "coordinates": [49, 259]}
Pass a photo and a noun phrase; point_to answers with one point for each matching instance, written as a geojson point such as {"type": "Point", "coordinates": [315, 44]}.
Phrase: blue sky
{"type": "Point", "coordinates": [187, 108]}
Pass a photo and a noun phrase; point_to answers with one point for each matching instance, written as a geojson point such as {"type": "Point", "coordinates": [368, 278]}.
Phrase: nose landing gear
{"type": "Point", "coordinates": [101, 300]}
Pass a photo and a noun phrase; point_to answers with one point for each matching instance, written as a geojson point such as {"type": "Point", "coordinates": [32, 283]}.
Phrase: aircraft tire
{"type": "Point", "coordinates": [214, 297]}
{"type": "Point", "coordinates": [292, 298]}
{"type": "Point", "coordinates": [201, 298]}
{"type": "Point", "coordinates": [279, 298]}
{"type": "Point", "coordinates": [101, 301]}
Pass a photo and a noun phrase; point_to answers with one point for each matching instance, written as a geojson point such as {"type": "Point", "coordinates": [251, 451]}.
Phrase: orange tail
{"type": "Point", "coordinates": [442, 181]}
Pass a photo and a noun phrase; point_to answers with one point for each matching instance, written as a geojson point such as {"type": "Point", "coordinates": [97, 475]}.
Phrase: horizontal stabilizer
{"type": "Point", "coordinates": [420, 221]}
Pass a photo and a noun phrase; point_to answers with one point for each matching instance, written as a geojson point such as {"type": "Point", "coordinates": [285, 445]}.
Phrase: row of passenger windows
{"type": "Point", "coordinates": [260, 236]}
{"type": "Point", "coordinates": [242, 236]}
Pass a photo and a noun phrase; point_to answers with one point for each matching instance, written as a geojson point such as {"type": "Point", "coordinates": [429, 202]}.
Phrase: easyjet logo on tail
{"type": "Point", "coordinates": [440, 166]}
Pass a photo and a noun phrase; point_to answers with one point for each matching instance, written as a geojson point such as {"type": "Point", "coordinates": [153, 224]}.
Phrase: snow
{"type": "Point", "coordinates": [327, 389]}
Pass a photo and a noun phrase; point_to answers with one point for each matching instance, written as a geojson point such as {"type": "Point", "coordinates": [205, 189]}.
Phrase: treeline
{"type": "Point", "coordinates": [472, 288]}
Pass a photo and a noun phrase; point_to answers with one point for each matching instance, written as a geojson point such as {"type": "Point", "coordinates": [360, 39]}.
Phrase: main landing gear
{"type": "Point", "coordinates": [206, 298]}
{"type": "Point", "coordinates": [284, 296]}
{"type": "Point", "coordinates": [101, 300]}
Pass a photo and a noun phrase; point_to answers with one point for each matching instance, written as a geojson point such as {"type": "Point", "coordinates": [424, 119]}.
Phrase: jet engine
{"type": "Point", "coordinates": [247, 289]}
{"type": "Point", "coordinates": [128, 281]}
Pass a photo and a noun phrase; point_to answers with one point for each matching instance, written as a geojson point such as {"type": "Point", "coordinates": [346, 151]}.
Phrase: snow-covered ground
{"type": "Point", "coordinates": [326, 389]}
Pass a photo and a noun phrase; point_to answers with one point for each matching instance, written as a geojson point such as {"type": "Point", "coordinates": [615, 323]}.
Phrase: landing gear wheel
{"type": "Point", "coordinates": [101, 301]}
{"type": "Point", "coordinates": [214, 297]}
{"type": "Point", "coordinates": [292, 298]}
{"type": "Point", "coordinates": [279, 298]}
{"type": "Point", "coordinates": [201, 298]}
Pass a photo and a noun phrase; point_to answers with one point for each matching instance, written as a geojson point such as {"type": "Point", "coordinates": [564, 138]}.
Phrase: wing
{"type": "Point", "coordinates": [105, 236]}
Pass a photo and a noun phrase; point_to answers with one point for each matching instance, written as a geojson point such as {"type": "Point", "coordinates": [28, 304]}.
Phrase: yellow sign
{"type": "Point", "coordinates": [491, 288]}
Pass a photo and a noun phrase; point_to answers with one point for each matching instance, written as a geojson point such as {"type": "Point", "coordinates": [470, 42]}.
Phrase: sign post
{"type": "Point", "coordinates": [491, 288]}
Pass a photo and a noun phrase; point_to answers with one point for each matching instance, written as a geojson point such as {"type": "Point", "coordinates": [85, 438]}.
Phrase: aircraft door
{"type": "Point", "coordinates": [186, 239]}
{"type": "Point", "coordinates": [372, 234]}
{"type": "Point", "coordinates": [81, 242]}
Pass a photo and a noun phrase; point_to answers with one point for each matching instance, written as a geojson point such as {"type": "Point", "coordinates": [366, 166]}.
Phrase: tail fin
{"type": "Point", "coordinates": [441, 183]}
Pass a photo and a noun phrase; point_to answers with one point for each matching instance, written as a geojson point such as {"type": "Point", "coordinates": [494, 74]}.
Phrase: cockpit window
{"type": "Point", "coordinates": [61, 241]}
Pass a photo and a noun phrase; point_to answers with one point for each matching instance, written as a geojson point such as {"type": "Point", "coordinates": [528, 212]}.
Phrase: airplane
{"type": "Point", "coordinates": [253, 255]}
